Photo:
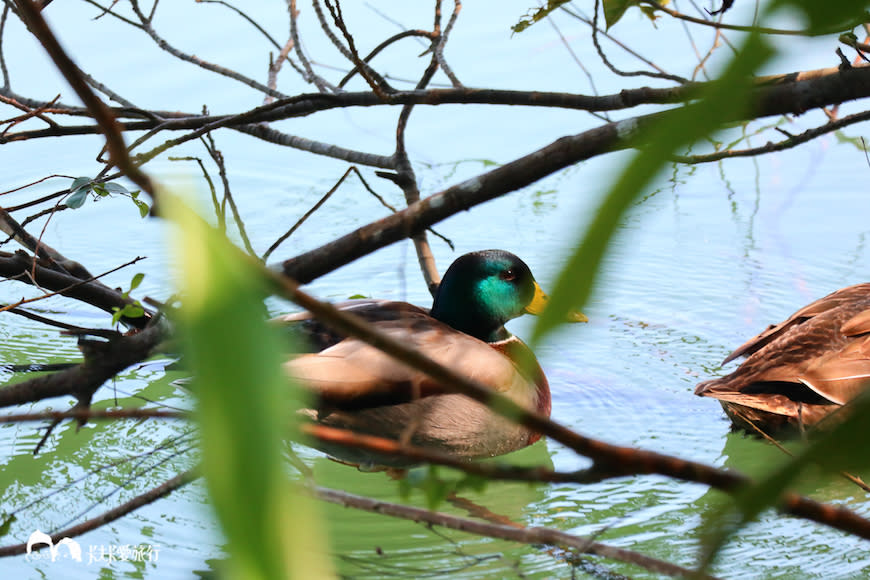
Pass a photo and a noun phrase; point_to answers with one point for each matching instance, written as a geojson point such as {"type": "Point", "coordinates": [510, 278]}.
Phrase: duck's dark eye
{"type": "Point", "coordinates": [508, 275]}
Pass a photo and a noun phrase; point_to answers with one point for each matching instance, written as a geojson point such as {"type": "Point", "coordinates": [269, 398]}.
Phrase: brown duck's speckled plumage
{"type": "Point", "coordinates": [799, 372]}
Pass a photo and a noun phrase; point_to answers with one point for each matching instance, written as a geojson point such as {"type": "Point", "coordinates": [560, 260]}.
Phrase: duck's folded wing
{"type": "Point", "coordinates": [319, 335]}
{"type": "Point", "coordinates": [841, 375]}
{"type": "Point", "coordinates": [833, 365]}
{"type": "Point", "coordinates": [857, 325]}
{"type": "Point", "coordinates": [841, 298]}
{"type": "Point", "coordinates": [354, 375]}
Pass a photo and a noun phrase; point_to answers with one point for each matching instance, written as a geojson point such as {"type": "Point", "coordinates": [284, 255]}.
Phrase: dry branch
{"type": "Point", "coordinates": [103, 115]}
{"type": "Point", "coordinates": [792, 93]}
{"type": "Point", "coordinates": [24, 268]}
{"type": "Point", "coordinates": [103, 360]}
{"type": "Point", "coordinates": [531, 535]}
{"type": "Point", "coordinates": [111, 515]}
{"type": "Point", "coordinates": [429, 211]}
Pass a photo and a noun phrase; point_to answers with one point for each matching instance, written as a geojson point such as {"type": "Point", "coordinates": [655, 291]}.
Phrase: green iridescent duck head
{"type": "Point", "coordinates": [482, 290]}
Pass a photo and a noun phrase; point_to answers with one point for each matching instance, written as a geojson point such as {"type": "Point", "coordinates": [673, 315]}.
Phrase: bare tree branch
{"type": "Point", "coordinates": [145, 23]}
{"type": "Point", "coordinates": [534, 535]}
{"type": "Point", "coordinates": [760, 29]}
{"type": "Point", "coordinates": [103, 115]}
{"type": "Point", "coordinates": [310, 76]}
{"type": "Point", "coordinates": [94, 414]}
{"type": "Point", "coordinates": [103, 360]}
{"type": "Point", "coordinates": [111, 515]}
{"type": "Point", "coordinates": [22, 267]}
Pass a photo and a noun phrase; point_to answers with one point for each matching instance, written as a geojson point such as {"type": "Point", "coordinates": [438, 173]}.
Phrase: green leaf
{"type": "Point", "coordinates": [242, 406]}
{"type": "Point", "coordinates": [437, 483]}
{"type": "Point", "coordinates": [133, 310]}
{"type": "Point", "coordinates": [826, 17]}
{"type": "Point", "coordinates": [614, 9]}
{"type": "Point", "coordinates": [78, 183]}
{"type": "Point", "coordinates": [137, 279]}
{"type": "Point", "coordinates": [116, 315]}
{"type": "Point", "coordinates": [128, 311]}
{"type": "Point", "coordinates": [143, 207]}
{"type": "Point", "coordinates": [113, 187]}
{"type": "Point", "coordinates": [649, 12]}
{"type": "Point", "coordinates": [77, 199]}
{"type": "Point", "coordinates": [6, 524]}
{"type": "Point", "coordinates": [859, 143]}
{"type": "Point", "coordinates": [537, 15]}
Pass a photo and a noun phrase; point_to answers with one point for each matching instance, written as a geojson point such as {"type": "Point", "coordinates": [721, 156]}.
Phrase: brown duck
{"type": "Point", "coordinates": [359, 388]}
{"type": "Point", "coordinates": [799, 372]}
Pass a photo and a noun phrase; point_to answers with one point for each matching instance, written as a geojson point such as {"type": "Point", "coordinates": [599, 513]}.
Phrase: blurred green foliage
{"type": "Point", "coordinates": [243, 407]}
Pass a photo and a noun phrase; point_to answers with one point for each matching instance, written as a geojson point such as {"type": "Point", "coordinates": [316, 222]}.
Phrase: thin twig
{"type": "Point", "coordinates": [3, 68]}
{"type": "Point", "coordinates": [70, 329]}
{"type": "Point", "coordinates": [218, 211]}
{"type": "Point", "coordinates": [382, 46]}
{"type": "Point", "coordinates": [111, 515]}
{"type": "Point", "coordinates": [167, 444]}
{"type": "Point", "coordinates": [531, 535]}
{"type": "Point", "coordinates": [306, 215]}
{"type": "Point", "coordinates": [792, 141]}
{"type": "Point", "coordinates": [36, 280]}
{"type": "Point", "coordinates": [405, 177]}
{"type": "Point", "coordinates": [218, 159]}
{"type": "Point", "coordinates": [259, 28]}
{"type": "Point", "coordinates": [611, 66]}
{"type": "Point", "coordinates": [104, 10]}
{"type": "Point", "coordinates": [438, 49]}
{"type": "Point", "coordinates": [324, 26]}
{"type": "Point", "coordinates": [276, 65]}
{"type": "Point", "coordinates": [759, 29]}
{"type": "Point", "coordinates": [573, 55]}
{"type": "Point", "coordinates": [310, 76]}
{"type": "Point", "coordinates": [29, 113]}
{"type": "Point", "coordinates": [223, 71]}
{"type": "Point", "coordinates": [375, 81]}
{"type": "Point", "coordinates": [323, 199]}
{"type": "Point", "coordinates": [103, 115]}
{"type": "Point", "coordinates": [98, 414]}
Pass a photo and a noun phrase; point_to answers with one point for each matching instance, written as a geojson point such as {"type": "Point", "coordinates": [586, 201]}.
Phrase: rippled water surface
{"type": "Point", "coordinates": [708, 257]}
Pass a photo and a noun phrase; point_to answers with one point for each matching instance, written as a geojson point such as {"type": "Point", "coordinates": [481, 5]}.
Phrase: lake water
{"type": "Point", "coordinates": [708, 257]}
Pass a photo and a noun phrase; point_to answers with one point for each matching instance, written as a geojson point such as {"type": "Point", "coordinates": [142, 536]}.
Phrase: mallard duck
{"type": "Point", "coordinates": [800, 371]}
{"type": "Point", "coordinates": [359, 388]}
